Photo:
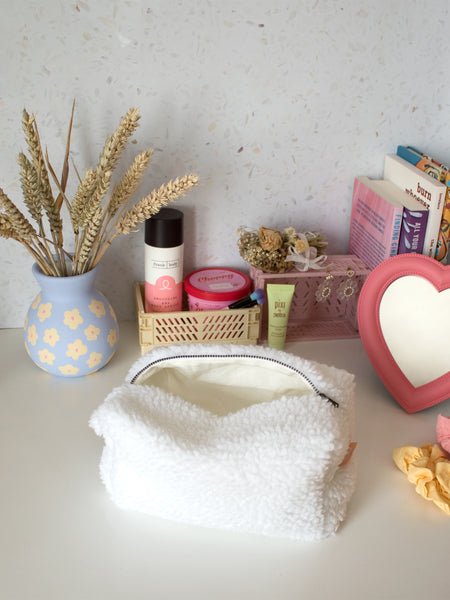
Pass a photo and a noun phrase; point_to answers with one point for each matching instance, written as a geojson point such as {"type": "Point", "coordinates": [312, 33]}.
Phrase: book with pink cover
{"type": "Point", "coordinates": [384, 221]}
{"type": "Point", "coordinates": [421, 186]}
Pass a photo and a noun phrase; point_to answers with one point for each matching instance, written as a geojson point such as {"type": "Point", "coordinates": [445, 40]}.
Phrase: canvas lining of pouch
{"type": "Point", "coordinates": [227, 383]}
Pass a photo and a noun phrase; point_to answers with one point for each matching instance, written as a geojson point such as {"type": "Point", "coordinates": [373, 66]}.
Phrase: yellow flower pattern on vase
{"type": "Point", "coordinates": [46, 357]}
{"type": "Point", "coordinates": [69, 370]}
{"type": "Point", "coordinates": [76, 349]}
{"type": "Point", "coordinates": [44, 311]}
{"type": "Point", "coordinates": [97, 307]}
{"type": "Point", "coordinates": [32, 335]}
{"type": "Point", "coordinates": [70, 330]}
{"type": "Point", "coordinates": [112, 337]}
{"type": "Point", "coordinates": [51, 337]}
{"type": "Point", "coordinates": [72, 318]}
{"type": "Point", "coordinates": [91, 332]}
{"type": "Point", "coordinates": [94, 359]}
{"type": "Point", "coordinates": [36, 302]}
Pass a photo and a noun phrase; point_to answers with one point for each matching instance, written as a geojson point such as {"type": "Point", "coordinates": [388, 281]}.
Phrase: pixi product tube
{"type": "Point", "coordinates": [279, 298]}
{"type": "Point", "coordinates": [164, 261]}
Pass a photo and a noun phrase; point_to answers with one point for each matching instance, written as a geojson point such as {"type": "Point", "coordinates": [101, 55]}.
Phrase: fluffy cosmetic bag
{"type": "Point", "coordinates": [245, 438]}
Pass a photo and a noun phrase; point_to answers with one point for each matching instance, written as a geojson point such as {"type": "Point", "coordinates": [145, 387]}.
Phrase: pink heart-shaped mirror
{"type": "Point", "coordinates": [403, 314]}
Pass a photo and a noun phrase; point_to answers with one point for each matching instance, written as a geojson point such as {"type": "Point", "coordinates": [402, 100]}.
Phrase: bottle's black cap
{"type": "Point", "coordinates": [165, 229]}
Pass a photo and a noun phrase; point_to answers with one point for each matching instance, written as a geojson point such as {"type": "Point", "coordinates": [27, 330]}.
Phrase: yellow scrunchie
{"type": "Point", "coordinates": [428, 468]}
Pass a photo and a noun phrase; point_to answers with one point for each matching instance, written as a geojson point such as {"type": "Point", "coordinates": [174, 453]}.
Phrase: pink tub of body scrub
{"type": "Point", "coordinates": [215, 288]}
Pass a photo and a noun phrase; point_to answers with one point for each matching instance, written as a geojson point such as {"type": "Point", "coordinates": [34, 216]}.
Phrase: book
{"type": "Point", "coordinates": [421, 161]}
{"type": "Point", "coordinates": [422, 187]}
{"type": "Point", "coordinates": [384, 220]}
{"type": "Point", "coordinates": [441, 173]}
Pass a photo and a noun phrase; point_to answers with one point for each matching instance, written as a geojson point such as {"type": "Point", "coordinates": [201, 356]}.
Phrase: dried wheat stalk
{"type": "Point", "coordinates": [89, 238]}
{"type": "Point", "coordinates": [22, 227]}
{"type": "Point", "coordinates": [129, 182]}
{"type": "Point", "coordinates": [43, 183]}
{"type": "Point", "coordinates": [14, 225]}
{"type": "Point", "coordinates": [152, 203]}
{"type": "Point", "coordinates": [30, 189]}
{"type": "Point", "coordinates": [45, 193]}
{"type": "Point", "coordinates": [6, 229]}
{"type": "Point", "coordinates": [81, 198]}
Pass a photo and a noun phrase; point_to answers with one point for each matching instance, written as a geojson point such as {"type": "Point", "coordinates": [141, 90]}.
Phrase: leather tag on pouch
{"type": "Point", "coordinates": [349, 454]}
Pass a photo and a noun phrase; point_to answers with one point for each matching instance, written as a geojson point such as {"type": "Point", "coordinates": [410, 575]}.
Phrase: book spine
{"type": "Point", "coordinates": [443, 247]}
{"type": "Point", "coordinates": [412, 233]}
{"type": "Point", "coordinates": [410, 154]}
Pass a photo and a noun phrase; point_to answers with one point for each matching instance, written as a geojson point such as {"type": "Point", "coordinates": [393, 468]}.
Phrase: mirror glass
{"type": "Point", "coordinates": [413, 318]}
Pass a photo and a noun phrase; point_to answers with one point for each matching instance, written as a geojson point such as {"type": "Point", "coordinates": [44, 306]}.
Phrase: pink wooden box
{"type": "Point", "coordinates": [334, 317]}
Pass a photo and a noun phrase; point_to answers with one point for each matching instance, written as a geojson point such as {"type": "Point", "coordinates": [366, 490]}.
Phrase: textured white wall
{"type": "Point", "coordinates": [276, 105]}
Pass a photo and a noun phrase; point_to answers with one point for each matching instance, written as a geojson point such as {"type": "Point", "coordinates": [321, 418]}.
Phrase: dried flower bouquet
{"type": "Point", "coordinates": [99, 211]}
{"type": "Point", "coordinates": [274, 251]}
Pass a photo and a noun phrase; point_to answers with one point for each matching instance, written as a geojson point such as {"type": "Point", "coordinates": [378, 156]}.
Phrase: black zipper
{"type": "Point", "coordinates": [266, 358]}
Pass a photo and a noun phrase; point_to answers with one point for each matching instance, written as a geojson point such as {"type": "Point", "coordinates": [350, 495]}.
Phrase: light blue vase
{"type": "Point", "coordinates": [71, 329]}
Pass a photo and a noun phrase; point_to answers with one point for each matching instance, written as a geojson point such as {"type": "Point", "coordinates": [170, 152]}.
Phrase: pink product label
{"type": "Point", "coordinates": [199, 304]}
{"type": "Point", "coordinates": [164, 296]}
{"type": "Point", "coordinates": [217, 281]}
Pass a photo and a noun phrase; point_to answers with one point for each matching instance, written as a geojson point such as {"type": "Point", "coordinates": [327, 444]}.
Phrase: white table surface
{"type": "Point", "coordinates": [63, 538]}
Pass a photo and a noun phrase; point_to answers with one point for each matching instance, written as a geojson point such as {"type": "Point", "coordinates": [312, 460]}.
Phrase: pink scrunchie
{"type": "Point", "coordinates": [443, 432]}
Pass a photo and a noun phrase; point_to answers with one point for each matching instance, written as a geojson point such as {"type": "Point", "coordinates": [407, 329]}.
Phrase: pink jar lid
{"type": "Point", "coordinates": [216, 284]}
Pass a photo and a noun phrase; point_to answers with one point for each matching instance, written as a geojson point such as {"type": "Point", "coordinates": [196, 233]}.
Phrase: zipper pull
{"type": "Point", "coordinates": [333, 402]}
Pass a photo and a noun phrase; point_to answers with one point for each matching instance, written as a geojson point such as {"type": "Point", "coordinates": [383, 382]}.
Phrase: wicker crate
{"type": "Point", "coordinates": [309, 319]}
{"type": "Point", "coordinates": [237, 326]}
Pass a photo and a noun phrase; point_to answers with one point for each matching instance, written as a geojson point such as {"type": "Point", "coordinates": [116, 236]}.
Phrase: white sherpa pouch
{"type": "Point", "coordinates": [245, 438]}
